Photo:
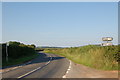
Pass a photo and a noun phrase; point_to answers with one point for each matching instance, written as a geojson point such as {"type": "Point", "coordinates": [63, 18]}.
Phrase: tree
{"type": "Point", "coordinates": [14, 43]}
{"type": "Point", "coordinates": [33, 46]}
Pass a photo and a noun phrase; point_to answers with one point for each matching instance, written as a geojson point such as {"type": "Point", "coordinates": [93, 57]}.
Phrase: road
{"type": "Point", "coordinates": [53, 66]}
{"type": "Point", "coordinates": [44, 66]}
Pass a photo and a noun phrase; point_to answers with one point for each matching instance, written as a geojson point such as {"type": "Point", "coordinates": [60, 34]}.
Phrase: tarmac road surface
{"type": "Point", "coordinates": [44, 66]}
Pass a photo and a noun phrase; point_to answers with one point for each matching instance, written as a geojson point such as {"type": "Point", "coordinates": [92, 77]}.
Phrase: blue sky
{"type": "Point", "coordinates": [1, 21]}
{"type": "Point", "coordinates": [60, 23]}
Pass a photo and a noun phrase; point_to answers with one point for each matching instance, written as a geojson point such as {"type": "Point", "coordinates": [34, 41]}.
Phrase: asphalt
{"type": "Point", "coordinates": [81, 71]}
{"type": "Point", "coordinates": [44, 66]}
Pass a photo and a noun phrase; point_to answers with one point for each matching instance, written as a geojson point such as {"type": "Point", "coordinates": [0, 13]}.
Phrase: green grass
{"type": "Point", "coordinates": [98, 57]}
{"type": "Point", "coordinates": [19, 60]}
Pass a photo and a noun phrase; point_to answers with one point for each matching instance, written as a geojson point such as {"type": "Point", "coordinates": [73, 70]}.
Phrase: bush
{"type": "Point", "coordinates": [17, 50]}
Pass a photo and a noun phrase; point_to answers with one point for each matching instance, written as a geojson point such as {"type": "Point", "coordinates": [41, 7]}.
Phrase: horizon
{"type": "Point", "coordinates": [67, 24]}
{"type": "Point", "coordinates": [53, 46]}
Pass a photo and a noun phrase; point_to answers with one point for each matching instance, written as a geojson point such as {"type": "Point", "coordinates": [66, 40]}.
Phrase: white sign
{"type": "Point", "coordinates": [107, 38]}
{"type": "Point", "coordinates": [107, 44]}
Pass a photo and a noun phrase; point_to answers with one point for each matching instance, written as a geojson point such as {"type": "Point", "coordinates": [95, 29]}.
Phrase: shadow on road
{"type": "Point", "coordinates": [45, 58]}
{"type": "Point", "coordinates": [40, 59]}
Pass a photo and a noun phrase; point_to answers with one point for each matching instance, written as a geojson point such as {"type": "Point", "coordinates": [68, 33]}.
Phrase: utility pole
{"type": "Point", "coordinates": [7, 44]}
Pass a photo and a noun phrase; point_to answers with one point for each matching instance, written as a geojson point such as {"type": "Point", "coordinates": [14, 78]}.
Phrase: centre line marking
{"type": "Point", "coordinates": [34, 69]}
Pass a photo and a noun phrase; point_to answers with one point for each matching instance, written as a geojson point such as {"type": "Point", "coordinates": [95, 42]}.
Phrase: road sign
{"type": "Point", "coordinates": [107, 44]}
{"type": "Point", "coordinates": [107, 38]}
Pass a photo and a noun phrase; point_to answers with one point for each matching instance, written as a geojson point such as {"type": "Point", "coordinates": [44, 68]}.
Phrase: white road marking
{"type": "Point", "coordinates": [29, 72]}
{"type": "Point", "coordinates": [47, 63]}
{"type": "Point", "coordinates": [21, 66]}
{"type": "Point", "coordinates": [34, 69]}
{"type": "Point", "coordinates": [64, 76]}
{"type": "Point", "coordinates": [15, 67]}
{"type": "Point", "coordinates": [67, 70]}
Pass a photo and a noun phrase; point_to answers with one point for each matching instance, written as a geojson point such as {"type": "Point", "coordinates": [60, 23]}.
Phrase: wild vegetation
{"type": "Point", "coordinates": [99, 57]}
{"type": "Point", "coordinates": [17, 53]}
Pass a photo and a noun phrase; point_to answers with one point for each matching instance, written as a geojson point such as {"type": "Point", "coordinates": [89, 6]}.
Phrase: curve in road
{"type": "Point", "coordinates": [44, 66]}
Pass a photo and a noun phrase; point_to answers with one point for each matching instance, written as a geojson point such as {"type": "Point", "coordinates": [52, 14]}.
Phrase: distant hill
{"type": "Point", "coordinates": [47, 47]}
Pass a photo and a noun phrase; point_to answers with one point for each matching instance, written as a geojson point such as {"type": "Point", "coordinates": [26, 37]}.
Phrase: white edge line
{"type": "Point", "coordinates": [64, 76]}
{"type": "Point", "coordinates": [67, 70]}
{"type": "Point", "coordinates": [35, 69]}
{"type": "Point", "coordinates": [24, 65]}
{"type": "Point", "coordinates": [16, 67]}
{"type": "Point", "coordinates": [29, 72]}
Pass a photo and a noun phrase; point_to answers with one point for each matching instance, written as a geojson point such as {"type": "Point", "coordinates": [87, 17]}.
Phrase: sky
{"type": "Point", "coordinates": [59, 23]}
{"type": "Point", "coordinates": [0, 21]}
{"type": "Point", "coordinates": [60, 0]}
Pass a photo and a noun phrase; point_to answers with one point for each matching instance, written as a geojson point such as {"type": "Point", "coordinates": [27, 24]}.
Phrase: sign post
{"type": "Point", "coordinates": [7, 44]}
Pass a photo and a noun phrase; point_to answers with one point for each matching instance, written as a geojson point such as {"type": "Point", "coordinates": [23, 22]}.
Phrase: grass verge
{"type": "Point", "coordinates": [98, 57]}
{"type": "Point", "coordinates": [19, 60]}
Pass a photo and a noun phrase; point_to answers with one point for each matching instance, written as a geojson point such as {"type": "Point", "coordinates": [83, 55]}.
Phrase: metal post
{"type": "Point", "coordinates": [6, 53]}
